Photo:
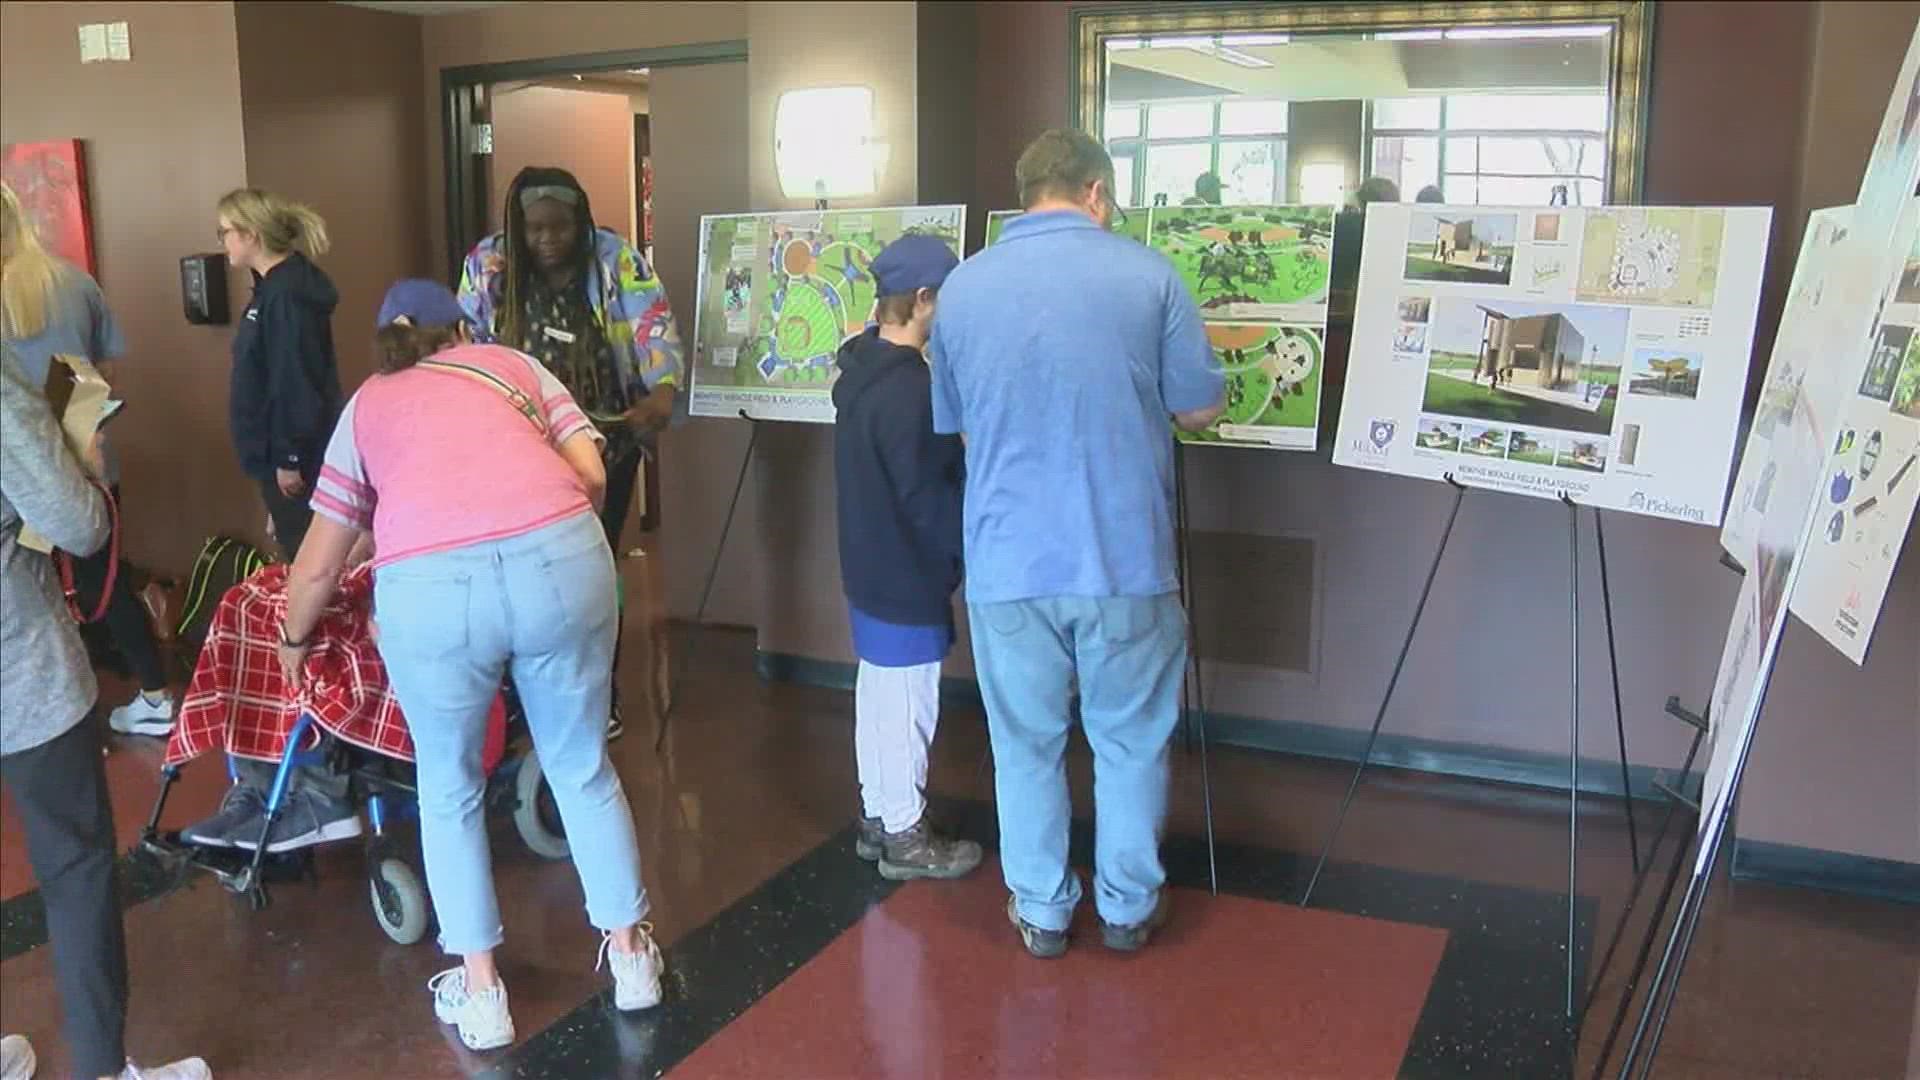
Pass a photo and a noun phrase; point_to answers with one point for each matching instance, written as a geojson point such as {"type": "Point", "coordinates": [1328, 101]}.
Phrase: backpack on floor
{"type": "Point", "coordinates": [223, 562]}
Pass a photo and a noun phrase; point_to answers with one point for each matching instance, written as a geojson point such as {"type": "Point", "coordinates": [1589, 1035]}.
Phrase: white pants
{"type": "Point", "coordinates": [895, 710]}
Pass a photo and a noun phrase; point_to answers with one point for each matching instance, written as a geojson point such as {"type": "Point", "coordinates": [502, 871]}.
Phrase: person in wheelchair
{"type": "Point", "coordinates": [237, 702]}
{"type": "Point", "coordinates": [479, 478]}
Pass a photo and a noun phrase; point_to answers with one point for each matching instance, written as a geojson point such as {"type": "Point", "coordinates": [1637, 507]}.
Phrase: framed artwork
{"type": "Point", "coordinates": [50, 180]}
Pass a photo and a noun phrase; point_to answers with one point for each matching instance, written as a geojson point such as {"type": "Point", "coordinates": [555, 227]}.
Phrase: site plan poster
{"type": "Point", "coordinates": [1832, 323]}
{"type": "Point", "coordinates": [1873, 485]}
{"type": "Point", "coordinates": [1259, 275]}
{"type": "Point", "coordinates": [1596, 353]}
{"type": "Point", "coordinates": [779, 293]}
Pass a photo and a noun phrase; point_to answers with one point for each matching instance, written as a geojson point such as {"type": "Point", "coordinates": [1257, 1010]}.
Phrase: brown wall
{"type": "Point", "coordinates": [699, 116]}
{"type": "Point", "coordinates": [587, 132]}
{"type": "Point", "coordinates": [336, 123]}
{"type": "Point", "coordinates": [163, 141]}
{"type": "Point", "coordinates": [1850, 780]}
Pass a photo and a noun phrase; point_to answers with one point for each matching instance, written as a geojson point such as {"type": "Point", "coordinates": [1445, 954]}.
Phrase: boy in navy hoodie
{"type": "Point", "coordinates": [899, 490]}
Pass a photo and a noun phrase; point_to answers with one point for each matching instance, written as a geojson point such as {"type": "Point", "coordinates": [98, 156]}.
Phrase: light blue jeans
{"type": "Point", "coordinates": [1127, 654]}
{"type": "Point", "coordinates": [452, 624]}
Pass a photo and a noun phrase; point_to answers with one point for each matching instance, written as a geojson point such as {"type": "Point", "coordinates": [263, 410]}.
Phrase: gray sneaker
{"type": "Point", "coordinates": [871, 841]}
{"type": "Point", "coordinates": [1133, 938]}
{"type": "Point", "coordinates": [306, 818]}
{"type": "Point", "coordinates": [1043, 944]}
{"type": "Point", "coordinates": [241, 810]}
{"type": "Point", "coordinates": [921, 853]}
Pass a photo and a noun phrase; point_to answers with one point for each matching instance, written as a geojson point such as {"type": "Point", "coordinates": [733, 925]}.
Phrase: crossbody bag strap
{"type": "Point", "coordinates": [522, 402]}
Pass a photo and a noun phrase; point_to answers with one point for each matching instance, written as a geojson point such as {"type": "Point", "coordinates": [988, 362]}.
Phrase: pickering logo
{"type": "Point", "coordinates": [1379, 437]}
{"type": "Point", "coordinates": [1642, 502]}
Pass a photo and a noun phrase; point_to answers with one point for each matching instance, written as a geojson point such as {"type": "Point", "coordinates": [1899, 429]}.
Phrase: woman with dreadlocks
{"type": "Point", "coordinates": [582, 301]}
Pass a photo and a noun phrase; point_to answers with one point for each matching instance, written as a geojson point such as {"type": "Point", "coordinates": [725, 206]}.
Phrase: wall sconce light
{"type": "Point", "coordinates": [1323, 184]}
{"type": "Point", "coordinates": [823, 143]}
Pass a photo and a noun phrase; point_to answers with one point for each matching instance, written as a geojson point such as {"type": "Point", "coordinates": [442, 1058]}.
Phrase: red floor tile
{"type": "Point", "coordinates": [933, 983]}
{"type": "Point", "coordinates": [133, 782]}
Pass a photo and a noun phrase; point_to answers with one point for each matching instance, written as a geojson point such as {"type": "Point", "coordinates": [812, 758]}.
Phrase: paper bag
{"type": "Point", "coordinates": [81, 400]}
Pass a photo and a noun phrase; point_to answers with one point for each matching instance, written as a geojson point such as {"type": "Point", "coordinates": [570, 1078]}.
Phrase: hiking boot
{"type": "Point", "coordinates": [871, 841]}
{"type": "Point", "coordinates": [481, 1017]}
{"type": "Point", "coordinates": [1134, 937]}
{"type": "Point", "coordinates": [636, 975]}
{"type": "Point", "coordinates": [1043, 944]}
{"type": "Point", "coordinates": [921, 853]}
{"type": "Point", "coordinates": [306, 818]}
{"type": "Point", "coordinates": [242, 809]}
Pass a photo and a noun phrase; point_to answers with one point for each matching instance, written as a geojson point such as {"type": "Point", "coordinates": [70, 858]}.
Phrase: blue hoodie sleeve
{"type": "Point", "coordinates": [300, 374]}
{"type": "Point", "coordinates": [929, 472]}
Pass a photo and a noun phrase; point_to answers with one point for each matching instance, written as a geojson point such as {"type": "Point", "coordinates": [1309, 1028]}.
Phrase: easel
{"type": "Point", "coordinates": [713, 571]}
{"type": "Point", "coordinates": [1573, 744]}
{"type": "Point", "coordinates": [1193, 698]}
{"type": "Point", "coordinates": [1665, 988]}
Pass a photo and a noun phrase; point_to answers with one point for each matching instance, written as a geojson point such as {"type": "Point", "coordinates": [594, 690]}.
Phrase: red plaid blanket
{"type": "Point", "coordinates": [238, 701]}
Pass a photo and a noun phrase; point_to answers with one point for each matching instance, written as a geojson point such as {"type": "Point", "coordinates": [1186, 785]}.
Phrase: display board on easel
{"type": "Point", "coordinates": [1595, 353]}
{"type": "Point", "coordinates": [779, 292]}
{"type": "Point", "coordinates": [1259, 275]}
{"type": "Point", "coordinates": [1871, 492]}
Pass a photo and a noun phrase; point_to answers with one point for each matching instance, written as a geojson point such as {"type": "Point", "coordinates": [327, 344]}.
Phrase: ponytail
{"type": "Point", "coordinates": [28, 279]}
{"type": "Point", "coordinates": [281, 224]}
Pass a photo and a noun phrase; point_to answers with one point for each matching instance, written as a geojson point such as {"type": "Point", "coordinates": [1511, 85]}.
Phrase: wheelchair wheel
{"type": "Point", "coordinates": [399, 900]}
{"type": "Point", "coordinates": [535, 815]}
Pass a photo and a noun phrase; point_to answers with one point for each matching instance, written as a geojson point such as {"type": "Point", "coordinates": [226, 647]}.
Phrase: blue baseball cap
{"type": "Point", "coordinates": [912, 263]}
{"type": "Point", "coordinates": [421, 302]}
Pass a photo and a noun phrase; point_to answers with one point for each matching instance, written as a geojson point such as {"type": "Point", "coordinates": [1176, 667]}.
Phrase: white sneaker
{"type": "Point", "coordinates": [144, 715]}
{"type": "Point", "coordinates": [16, 1058]}
{"type": "Point", "coordinates": [185, 1069]}
{"type": "Point", "coordinates": [483, 1019]}
{"type": "Point", "coordinates": [636, 976]}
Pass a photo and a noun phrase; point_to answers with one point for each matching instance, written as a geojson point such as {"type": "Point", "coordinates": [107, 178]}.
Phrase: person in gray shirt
{"type": "Point", "coordinates": [53, 308]}
{"type": "Point", "coordinates": [50, 751]}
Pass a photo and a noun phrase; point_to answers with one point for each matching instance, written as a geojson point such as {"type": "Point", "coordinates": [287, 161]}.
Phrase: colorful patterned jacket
{"type": "Point", "coordinates": [630, 300]}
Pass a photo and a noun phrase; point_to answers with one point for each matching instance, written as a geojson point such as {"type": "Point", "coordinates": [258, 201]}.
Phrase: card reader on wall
{"type": "Point", "coordinates": [203, 289]}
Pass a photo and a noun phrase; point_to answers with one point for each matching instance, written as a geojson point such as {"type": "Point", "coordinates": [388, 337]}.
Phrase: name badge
{"type": "Point", "coordinates": [560, 336]}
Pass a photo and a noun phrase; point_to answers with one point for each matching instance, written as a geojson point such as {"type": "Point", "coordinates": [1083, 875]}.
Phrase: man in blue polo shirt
{"type": "Point", "coordinates": [1060, 354]}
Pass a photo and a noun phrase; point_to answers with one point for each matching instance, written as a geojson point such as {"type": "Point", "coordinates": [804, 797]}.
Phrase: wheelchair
{"type": "Point", "coordinates": [383, 788]}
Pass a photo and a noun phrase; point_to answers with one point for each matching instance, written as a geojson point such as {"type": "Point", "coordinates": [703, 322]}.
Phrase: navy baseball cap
{"type": "Point", "coordinates": [421, 302]}
{"type": "Point", "coordinates": [912, 263]}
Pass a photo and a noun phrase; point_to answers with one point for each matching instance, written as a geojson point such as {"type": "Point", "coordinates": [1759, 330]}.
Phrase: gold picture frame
{"type": "Point", "coordinates": [1630, 20]}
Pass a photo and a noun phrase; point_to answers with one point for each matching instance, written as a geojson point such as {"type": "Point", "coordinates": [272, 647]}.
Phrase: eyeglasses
{"type": "Point", "coordinates": [220, 233]}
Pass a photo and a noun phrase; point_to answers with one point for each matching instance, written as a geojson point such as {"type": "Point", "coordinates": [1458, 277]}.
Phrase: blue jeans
{"type": "Point", "coordinates": [452, 625]}
{"type": "Point", "coordinates": [1127, 654]}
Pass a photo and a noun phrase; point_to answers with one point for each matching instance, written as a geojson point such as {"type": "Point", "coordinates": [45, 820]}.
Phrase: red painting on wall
{"type": "Point", "coordinates": [50, 180]}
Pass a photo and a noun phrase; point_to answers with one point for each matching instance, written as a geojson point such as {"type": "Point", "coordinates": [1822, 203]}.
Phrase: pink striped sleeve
{"type": "Point", "coordinates": [565, 418]}
{"type": "Point", "coordinates": [342, 492]}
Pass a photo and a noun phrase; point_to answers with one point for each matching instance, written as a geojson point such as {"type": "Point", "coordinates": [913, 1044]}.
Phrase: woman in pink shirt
{"type": "Point", "coordinates": [479, 477]}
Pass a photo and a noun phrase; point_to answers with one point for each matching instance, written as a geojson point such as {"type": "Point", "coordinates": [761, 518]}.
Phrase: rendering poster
{"type": "Point", "coordinates": [1259, 275]}
{"type": "Point", "coordinates": [1823, 351]}
{"type": "Point", "coordinates": [1597, 353]}
{"type": "Point", "coordinates": [779, 292]}
{"type": "Point", "coordinates": [1873, 485]}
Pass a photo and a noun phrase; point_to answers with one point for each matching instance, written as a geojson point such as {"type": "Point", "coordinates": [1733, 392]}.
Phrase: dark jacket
{"type": "Point", "coordinates": [899, 486]}
{"type": "Point", "coordinates": [285, 393]}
